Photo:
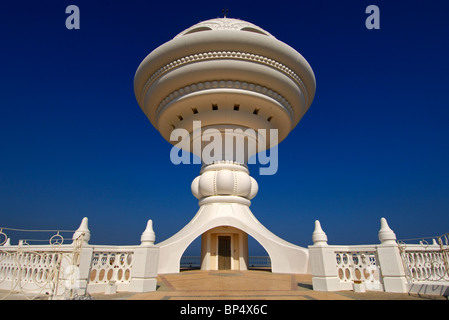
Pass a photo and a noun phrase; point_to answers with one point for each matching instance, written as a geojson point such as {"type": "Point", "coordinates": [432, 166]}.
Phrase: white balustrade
{"type": "Point", "coordinates": [35, 269]}
{"type": "Point", "coordinates": [358, 266]}
{"type": "Point", "coordinates": [388, 266]}
{"type": "Point", "coordinates": [111, 265]}
{"type": "Point", "coordinates": [424, 262]}
{"type": "Point", "coordinates": [70, 270]}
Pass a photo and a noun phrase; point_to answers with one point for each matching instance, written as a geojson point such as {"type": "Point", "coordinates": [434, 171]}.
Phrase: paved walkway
{"type": "Point", "coordinates": [236, 285]}
{"type": "Point", "coordinates": [248, 285]}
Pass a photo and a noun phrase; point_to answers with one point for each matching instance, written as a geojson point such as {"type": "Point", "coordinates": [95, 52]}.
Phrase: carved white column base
{"type": "Point", "coordinates": [217, 210]}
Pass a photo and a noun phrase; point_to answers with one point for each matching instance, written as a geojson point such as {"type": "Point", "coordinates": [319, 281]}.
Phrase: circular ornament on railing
{"type": "Point", "coordinates": [56, 240]}
{"type": "Point", "coordinates": [3, 238]}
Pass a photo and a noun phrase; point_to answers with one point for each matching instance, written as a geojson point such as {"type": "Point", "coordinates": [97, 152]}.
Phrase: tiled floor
{"type": "Point", "coordinates": [237, 285]}
{"type": "Point", "coordinates": [248, 285]}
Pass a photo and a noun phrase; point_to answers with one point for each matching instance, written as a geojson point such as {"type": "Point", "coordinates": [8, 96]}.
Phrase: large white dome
{"type": "Point", "coordinates": [224, 24]}
{"type": "Point", "coordinates": [228, 74]}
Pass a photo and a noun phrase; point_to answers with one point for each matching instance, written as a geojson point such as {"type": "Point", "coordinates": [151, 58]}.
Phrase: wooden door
{"type": "Point", "coordinates": [224, 252]}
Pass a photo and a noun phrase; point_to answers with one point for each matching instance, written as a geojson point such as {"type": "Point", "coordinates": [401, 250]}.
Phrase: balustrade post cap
{"type": "Point", "coordinates": [386, 235]}
{"type": "Point", "coordinates": [148, 236]}
{"type": "Point", "coordinates": [319, 237]}
{"type": "Point", "coordinates": [83, 229]}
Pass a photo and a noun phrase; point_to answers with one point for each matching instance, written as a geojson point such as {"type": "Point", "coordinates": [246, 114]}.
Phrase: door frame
{"type": "Point", "coordinates": [231, 250]}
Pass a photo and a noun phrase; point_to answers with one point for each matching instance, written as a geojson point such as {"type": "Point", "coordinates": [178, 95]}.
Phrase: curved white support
{"type": "Point", "coordinates": [232, 211]}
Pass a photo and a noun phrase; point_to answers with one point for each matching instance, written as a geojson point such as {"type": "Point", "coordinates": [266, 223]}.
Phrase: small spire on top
{"type": "Point", "coordinates": [225, 12]}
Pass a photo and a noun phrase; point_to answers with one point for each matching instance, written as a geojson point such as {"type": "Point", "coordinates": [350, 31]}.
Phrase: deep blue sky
{"type": "Point", "coordinates": [375, 142]}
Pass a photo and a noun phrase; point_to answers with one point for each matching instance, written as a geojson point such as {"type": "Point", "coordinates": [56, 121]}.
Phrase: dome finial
{"type": "Point", "coordinates": [225, 12]}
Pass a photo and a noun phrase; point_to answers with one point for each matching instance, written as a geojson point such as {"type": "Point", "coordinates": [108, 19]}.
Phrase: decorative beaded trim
{"type": "Point", "coordinates": [234, 189]}
{"type": "Point", "coordinates": [225, 55]}
{"type": "Point", "coordinates": [215, 182]}
{"type": "Point", "coordinates": [224, 84]}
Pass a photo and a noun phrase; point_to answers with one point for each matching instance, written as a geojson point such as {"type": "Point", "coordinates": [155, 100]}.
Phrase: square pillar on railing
{"type": "Point", "coordinates": [393, 273]}
{"type": "Point", "coordinates": [74, 270]}
{"type": "Point", "coordinates": [323, 268]}
{"type": "Point", "coordinates": [144, 269]}
{"type": "Point", "coordinates": [322, 262]}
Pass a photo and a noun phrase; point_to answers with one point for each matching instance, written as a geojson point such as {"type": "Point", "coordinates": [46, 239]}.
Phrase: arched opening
{"type": "Point", "coordinates": [191, 258]}
{"type": "Point", "coordinates": [238, 223]}
{"type": "Point", "coordinates": [258, 257]}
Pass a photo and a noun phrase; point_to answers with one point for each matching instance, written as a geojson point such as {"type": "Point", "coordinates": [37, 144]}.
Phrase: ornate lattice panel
{"type": "Point", "coordinates": [358, 266]}
{"type": "Point", "coordinates": [425, 266]}
{"type": "Point", "coordinates": [426, 262]}
{"type": "Point", "coordinates": [29, 267]}
{"type": "Point", "coordinates": [111, 267]}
